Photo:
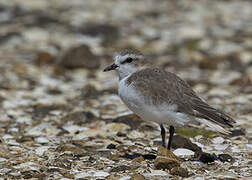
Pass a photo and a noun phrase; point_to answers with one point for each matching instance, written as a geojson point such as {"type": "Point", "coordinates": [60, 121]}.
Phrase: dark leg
{"type": "Point", "coordinates": [163, 134]}
{"type": "Point", "coordinates": [171, 131]}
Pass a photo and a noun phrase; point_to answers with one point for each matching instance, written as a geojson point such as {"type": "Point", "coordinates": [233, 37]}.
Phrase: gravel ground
{"type": "Point", "coordinates": [61, 118]}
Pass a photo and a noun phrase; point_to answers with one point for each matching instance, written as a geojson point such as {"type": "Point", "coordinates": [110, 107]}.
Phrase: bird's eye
{"type": "Point", "coordinates": [129, 60]}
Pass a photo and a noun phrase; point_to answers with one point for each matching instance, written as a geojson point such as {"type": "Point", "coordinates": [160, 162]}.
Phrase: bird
{"type": "Point", "coordinates": [159, 96]}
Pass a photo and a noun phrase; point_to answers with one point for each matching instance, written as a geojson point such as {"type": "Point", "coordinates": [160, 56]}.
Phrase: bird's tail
{"type": "Point", "coordinates": [213, 117]}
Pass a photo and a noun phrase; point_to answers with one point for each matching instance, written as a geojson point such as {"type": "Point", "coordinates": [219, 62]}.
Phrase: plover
{"type": "Point", "coordinates": [162, 97]}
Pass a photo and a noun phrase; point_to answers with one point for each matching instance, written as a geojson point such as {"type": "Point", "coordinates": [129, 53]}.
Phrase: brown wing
{"type": "Point", "coordinates": [160, 86]}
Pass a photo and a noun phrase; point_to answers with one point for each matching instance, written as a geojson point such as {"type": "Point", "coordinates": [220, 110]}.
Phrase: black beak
{"type": "Point", "coordinates": [110, 68]}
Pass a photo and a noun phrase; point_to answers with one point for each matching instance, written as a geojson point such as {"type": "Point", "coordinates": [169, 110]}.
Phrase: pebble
{"type": "Point", "coordinates": [218, 140]}
{"type": "Point", "coordinates": [225, 158]}
{"type": "Point", "coordinates": [221, 147]}
{"type": "Point", "coordinates": [136, 134]}
{"type": "Point", "coordinates": [207, 158]}
{"type": "Point", "coordinates": [97, 174]}
{"type": "Point", "coordinates": [120, 168]}
{"type": "Point", "coordinates": [156, 173]}
{"type": "Point", "coordinates": [181, 152]}
{"type": "Point", "coordinates": [137, 177]}
{"type": "Point", "coordinates": [111, 146]}
{"type": "Point", "coordinates": [2, 159]}
{"type": "Point", "coordinates": [179, 171]}
{"type": "Point", "coordinates": [40, 150]}
{"type": "Point", "coordinates": [42, 140]}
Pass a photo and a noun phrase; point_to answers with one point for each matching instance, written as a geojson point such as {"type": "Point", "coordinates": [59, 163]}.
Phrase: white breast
{"type": "Point", "coordinates": [162, 114]}
{"type": "Point", "coordinates": [129, 95]}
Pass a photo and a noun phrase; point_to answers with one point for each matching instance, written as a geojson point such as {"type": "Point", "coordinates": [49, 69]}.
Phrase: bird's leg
{"type": "Point", "coordinates": [171, 131]}
{"type": "Point", "coordinates": [163, 134]}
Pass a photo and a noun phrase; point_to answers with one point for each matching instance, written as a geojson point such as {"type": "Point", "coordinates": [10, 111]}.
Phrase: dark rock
{"type": "Point", "coordinates": [182, 142]}
{"type": "Point", "coordinates": [80, 57]}
{"type": "Point", "coordinates": [207, 158]}
{"type": "Point", "coordinates": [131, 156]}
{"type": "Point", "coordinates": [54, 91]}
{"type": "Point", "coordinates": [179, 171]}
{"type": "Point", "coordinates": [136, 155]}
{"type": "Point", "coordinates": [149, 156]}
{"type": "Point", "coordinates": [120, 168]}
{"type": "Point", "coordinates": [120, 134]}
{"type": "Point", "coordinates": [225, 158]}
{"type": "Point", "coordinates": [237, 132]}
{"type": "Point", "coordinates": [41, 111]}
{"type": "Point", "coordinates": [111, 146]}
{"type": "Point", "coordinates": [131, 120]}
{"type": "Point", "coordinates": [108, 33]}
{"type": "Point", "coordinates": [79, 117]}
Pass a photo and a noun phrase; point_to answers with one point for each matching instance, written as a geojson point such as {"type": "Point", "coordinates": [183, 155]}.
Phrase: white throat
{"type": "Point", "coordinates": [126, 70]}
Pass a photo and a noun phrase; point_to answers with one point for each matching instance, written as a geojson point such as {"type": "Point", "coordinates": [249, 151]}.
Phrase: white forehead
{"type": "Point", "coordinates": [119, 58]}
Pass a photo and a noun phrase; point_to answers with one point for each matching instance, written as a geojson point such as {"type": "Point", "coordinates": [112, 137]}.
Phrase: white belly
{"type": "Point", "coordinates": [162, 114]}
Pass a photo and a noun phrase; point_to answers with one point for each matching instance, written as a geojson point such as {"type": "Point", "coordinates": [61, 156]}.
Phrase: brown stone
{"type": "Point", "coordinates": [137, 177]}
{"type": "Point", "coordinates": [162, 151]}
{"type": "Point", "coordinates": [138, 159]}
{"type": "Point", "coordinates": [80, 57]}
{"type": "Point", "coordinates": [166, 163]}
{"type": "Point", "coordinates": [179, 171]}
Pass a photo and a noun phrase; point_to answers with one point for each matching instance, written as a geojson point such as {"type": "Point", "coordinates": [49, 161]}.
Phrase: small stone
{"type": "Point", "coordinates": [113, 177]}
{"type": "Point", "coordinates": [82, 175]}
{"type": "Point", "coordinates": [120, 168]}
{"type": "Point", "coordinates": [218, 140]}
{"type": "Point", "coordinates": [207, 158]}
{"type": "Point", "coordinates": [225, 158]}
{"type": "Point", "coordinates": [79, 57]}
{"type": "Point", "coordinates": [149, 156]}
{"type": "Point", "coordinates": [71, 148]}
{"type": "Point", "coordinates": [182, 142]}
{"type": "Point", "coordinates": [2, 159]}
{"type": "Point", "coordinates": [137, 177]}
{"type": "Point", "coordinates": [162, 162]}
{"type": "Point", "coordinates": [138, 159]}
{"type": "Point", "coordinates": [179, 171]}
{"type": "Point", "coordinates": [111, 146]}
{"type": "Point", "coordinates": [115, 127]}
{"type": "Point", "coordinates": [131, 120]}
{"type": "Point", "coordinates": [101, 174]}
{"type": "Point", "coordinates": [157, 174]}
{"type": "Point", "coordinates": [238, 132]}
{"type": "Point", "coordinates": [103, 153]}
{"type": "Point", "coordinates": [181, 152]}
{"type": "Point", "coordinates": [42, 140]}
{"type": "Point", "coordinates": [135, 134]}
{"type": "Point", "coordinates": [44, 58]}
{"type": "Point", "coordinates": [78, 117]}
{"type": "Point", "coordinates": [131, 156]}
{"type": "Point", "coordinates": [162, 151]}
{"type": "Point", "coordinates": [40, 150]}
{"type": "Point", "coordinates": [221, 147]}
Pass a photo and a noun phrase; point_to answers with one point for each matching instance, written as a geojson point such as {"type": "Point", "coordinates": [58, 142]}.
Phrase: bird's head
{"type": "Point", "coordinates": [126, 62]}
